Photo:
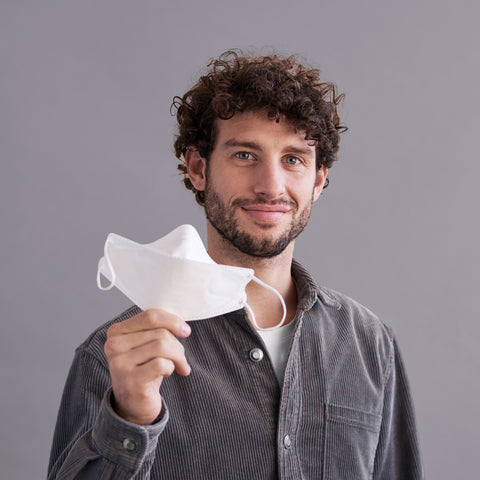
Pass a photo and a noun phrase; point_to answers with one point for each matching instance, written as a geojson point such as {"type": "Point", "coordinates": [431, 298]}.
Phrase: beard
{"type": "Point", "coordinates": [223, 220]}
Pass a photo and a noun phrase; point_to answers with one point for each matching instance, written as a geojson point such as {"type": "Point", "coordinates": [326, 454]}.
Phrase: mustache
{"type": "Point", "coordinates": [248, 202]}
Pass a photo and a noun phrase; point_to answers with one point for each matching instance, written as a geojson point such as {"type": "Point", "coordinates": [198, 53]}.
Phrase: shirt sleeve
{"type": "Point", "coordinates": [90, 439]}
{"type": "Point", "coordinates": [398, 453]}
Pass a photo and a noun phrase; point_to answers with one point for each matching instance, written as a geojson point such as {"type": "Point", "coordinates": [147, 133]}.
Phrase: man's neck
{"type": "Point", "coordinates": [274, 271]}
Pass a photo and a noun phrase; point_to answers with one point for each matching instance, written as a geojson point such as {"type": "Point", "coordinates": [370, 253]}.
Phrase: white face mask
{"type": "Point", "coordinates": [176, 274]}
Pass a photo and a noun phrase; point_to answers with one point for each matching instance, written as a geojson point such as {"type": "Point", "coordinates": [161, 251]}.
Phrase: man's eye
{"type": "Point", "coordinates": [243, 155]}
{"type": "Point", "coordinates": [292, 160]}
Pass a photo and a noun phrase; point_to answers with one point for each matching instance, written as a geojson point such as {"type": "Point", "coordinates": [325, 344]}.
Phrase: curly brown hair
{"type": "Point", "coordinates": [280, 86]}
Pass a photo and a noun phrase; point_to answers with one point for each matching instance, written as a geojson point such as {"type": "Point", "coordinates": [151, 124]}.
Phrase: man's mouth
{"type": "Point", "coordinates": [266, 213]}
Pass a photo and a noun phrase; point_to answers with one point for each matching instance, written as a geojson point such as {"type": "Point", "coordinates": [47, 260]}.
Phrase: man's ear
{"type": "Point", "coordinates": [196, 168]}
{"type": "Point", "coordinates": [322, 173]}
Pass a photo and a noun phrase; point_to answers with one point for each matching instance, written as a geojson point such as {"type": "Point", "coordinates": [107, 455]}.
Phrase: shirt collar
{"type": "Point", "coordinates": [308, 291]}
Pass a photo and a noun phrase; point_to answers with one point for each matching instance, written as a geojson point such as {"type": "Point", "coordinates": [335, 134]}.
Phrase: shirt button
{"type": "Point", "coordinates": [287, 441]}
{"type": "Point", "coordinates": [129, 444]}
{"type": "Point", "coordinates": [255, 354]}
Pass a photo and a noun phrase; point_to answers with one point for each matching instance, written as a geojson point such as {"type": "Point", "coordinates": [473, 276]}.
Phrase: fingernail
{"type": "Point", "coordinates": [186, 329]}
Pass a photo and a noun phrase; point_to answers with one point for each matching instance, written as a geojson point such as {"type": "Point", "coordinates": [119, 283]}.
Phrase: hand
{"type": "Point", "coordinates": [141, 351]}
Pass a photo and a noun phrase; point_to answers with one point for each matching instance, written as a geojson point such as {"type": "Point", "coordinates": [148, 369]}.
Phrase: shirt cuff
{"type": "Point", "coordinates": [123, 443]}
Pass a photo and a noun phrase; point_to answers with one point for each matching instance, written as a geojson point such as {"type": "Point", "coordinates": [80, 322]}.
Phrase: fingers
{"type": "Point", "coordinates": [150, 320]}
{"type": "Point", "coordinates": [172, 351]}
{"type": "Point", "coordinates": [125, 342]}
{"type": "Point", "coordinates": [148, 338]}
{"type": "Point", "coordinates": [159, 347]}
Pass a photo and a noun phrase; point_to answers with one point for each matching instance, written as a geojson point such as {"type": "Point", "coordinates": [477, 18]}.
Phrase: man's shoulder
{"type": "Point", "coordinates": [349, 318]}
{"type": "Point", "coordinates": [339, 306]}
{"type": "Point", "coordinates": [342, 302]}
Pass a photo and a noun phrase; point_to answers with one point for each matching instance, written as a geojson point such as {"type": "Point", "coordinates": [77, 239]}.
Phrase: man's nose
{"type": "Point", "coordinates": [270, 179]}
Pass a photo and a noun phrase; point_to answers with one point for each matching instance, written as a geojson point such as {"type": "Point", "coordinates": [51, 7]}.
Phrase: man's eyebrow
{"type": "Point", "coordinates": [255, 146]}
{"type": "Point", "coordinates": [299, 150]}
{"type": "Point", "coordinates": [232, 142]}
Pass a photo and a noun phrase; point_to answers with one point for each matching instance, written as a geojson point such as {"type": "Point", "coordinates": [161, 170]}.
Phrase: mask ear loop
{"type": "Point", "coordinates": [106, 256]}
{"type": "Point", "coordinates": [249, 309]}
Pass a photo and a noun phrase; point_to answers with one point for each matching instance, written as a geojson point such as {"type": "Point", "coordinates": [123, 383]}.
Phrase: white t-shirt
{"type": "Point", "coordinates": [278, 343]}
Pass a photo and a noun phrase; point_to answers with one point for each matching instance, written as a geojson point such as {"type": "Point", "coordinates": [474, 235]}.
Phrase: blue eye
{"type": "Point", "coordinates": [243, 155]}
{"type": "Point", "coordinates": [292, 160]}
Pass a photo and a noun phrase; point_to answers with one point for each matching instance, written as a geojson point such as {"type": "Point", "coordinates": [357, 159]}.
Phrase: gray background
{"type": "Point", "coordinates": [85, 135]}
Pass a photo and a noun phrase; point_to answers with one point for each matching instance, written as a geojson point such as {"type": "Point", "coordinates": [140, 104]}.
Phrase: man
{"type": "Point", "coordinates": [325, 396]}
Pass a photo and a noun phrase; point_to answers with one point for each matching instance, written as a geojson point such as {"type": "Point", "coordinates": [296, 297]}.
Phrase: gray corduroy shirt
{"type": "Point", "coordinates": [343, 412]}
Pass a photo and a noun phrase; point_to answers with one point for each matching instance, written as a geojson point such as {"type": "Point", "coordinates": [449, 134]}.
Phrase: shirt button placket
{"type": "Point", "coordinates": [288, 422]}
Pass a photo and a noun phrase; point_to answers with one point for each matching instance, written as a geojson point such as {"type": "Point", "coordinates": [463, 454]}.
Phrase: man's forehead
{"type": "Point", "coordinates": [245, 127]}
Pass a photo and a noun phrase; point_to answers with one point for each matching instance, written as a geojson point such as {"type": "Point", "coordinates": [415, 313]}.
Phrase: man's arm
{"type": "Point", "coordinates": [92, 439]}
{"type": "Point", "coordinates": [398, 454]}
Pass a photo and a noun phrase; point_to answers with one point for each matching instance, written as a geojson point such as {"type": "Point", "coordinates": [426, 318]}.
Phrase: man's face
{"type": "Point", "coordinates": [260, 183]}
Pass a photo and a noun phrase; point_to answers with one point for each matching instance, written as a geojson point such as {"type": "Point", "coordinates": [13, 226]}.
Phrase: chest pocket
{"type": "Point", "coordinates": [351, 438]}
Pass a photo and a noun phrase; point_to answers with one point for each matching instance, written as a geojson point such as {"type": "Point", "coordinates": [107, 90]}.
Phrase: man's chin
{"type": "Point", "coordinates": [265, 226]}
{"type": "Point", "coordinates": [261, 247]}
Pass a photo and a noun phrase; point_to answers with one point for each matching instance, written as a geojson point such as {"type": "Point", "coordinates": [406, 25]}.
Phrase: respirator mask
{"type": "Point", "coordinates": [176, 274]}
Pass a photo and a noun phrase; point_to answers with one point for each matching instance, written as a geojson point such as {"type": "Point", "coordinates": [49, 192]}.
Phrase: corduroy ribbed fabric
{"type": "Point", "coordinates": [343, 412]}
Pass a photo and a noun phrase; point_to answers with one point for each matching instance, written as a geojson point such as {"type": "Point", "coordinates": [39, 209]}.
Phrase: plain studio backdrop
{"type": "Point", "coordinates": [86, 149]}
